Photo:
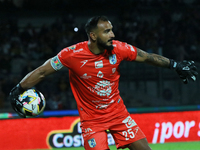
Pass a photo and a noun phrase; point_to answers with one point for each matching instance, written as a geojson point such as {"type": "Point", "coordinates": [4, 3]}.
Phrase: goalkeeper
{"type": "Point", "coordinates": [94, 78]}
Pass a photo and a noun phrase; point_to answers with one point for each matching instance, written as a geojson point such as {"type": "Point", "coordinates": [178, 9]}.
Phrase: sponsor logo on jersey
{"type": "Point", "coordinates": [85, 76]}
{"type": "Point", "coordinates": [102, 88]}
{"type": "Point", "coordinates": [78, 50]}
{"type": "Point", "coordinates": [100, 74]}
{"type": "Point", "coordinates": [113, 70]}
{"type": "Point", "coordinates": [98, 64]}
{"type": "Point", "coordinates": [113, 59]}
{"type": "Point", "coordinates": [84, 62]}
{"type": "Point", "coordinates": [92, 142]}
{"type": "Point", "coordinates": [104, 106]}
{"type": "Point", "coordinates": [129, 122]}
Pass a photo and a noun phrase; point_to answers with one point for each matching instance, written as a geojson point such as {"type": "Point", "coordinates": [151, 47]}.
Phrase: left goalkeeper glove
{"type": "Point", "coordinates": [185, 69]}
{"type": "Point", "coordinates": [15, 103]}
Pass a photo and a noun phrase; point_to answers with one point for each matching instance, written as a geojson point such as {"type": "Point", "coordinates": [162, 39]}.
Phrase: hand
{"type": "Point", "coordinates": [15, 103]}
{"type": "Point", "coordinates": [185, 69]}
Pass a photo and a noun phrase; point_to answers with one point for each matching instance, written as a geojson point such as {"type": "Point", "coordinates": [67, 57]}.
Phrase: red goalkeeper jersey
{"type": "Point", "coordinates": [94, 79]}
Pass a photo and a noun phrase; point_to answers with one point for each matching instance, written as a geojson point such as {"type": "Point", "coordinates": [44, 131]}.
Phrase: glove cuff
{"type": "Point", "coordinates": [19, 87]}
{"type": "Point", "coordinates": [17, 90]}
{"type": "Point", "coordinates": [173, 64]}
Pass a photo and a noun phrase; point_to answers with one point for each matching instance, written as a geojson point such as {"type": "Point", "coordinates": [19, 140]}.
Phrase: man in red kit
{"type": "Point", "coordinates": [94, 78]}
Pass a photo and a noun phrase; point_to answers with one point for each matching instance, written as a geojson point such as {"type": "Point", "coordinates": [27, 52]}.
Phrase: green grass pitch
{"type": "Point", "coordinates": [165, 146]}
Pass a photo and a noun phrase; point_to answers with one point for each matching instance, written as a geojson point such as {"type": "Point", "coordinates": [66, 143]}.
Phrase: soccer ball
{"type": "Point", "coordinates": [33, 102]}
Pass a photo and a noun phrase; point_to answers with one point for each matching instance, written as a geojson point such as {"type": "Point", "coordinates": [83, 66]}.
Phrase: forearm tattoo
{"type": "Point", "coordinates": [153, 59]}
{"type": "Point", "coordinates": [141, 53]}
{"type": "Point", "coordinates": [157, 60]}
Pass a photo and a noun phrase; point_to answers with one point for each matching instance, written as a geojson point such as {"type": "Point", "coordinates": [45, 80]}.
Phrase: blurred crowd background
{"type": "Point", "coordinates": [33, 31]}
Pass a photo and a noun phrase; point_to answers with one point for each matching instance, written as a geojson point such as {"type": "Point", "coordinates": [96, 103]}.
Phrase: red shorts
{"type": "Point", "coordinates": [124, 131]}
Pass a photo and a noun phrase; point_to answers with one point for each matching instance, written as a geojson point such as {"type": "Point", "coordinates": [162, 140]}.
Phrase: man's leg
{"type": "Point", "coordinates": [141, 144]}
{"type": "Point", "coordinates": [96, 141]}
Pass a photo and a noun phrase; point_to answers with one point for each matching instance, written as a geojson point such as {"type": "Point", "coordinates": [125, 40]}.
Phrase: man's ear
{"type": "Point", "coordinates": [93, 36]}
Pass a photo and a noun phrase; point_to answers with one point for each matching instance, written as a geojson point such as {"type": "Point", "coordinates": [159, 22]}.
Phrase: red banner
{"type": "Point", "coordinates": [60, 132]}
{"type": "Point", "coordinates": [170, 126]}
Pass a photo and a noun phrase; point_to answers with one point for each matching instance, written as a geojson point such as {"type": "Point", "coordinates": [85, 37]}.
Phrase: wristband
{"type": "Point", "coordinates": [18, 90]}
{"type": "Point", "coordinates": [173, 64]}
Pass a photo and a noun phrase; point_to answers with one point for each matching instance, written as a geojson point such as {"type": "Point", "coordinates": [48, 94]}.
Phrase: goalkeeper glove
{"type": "Point", "coordinates": [14, 100]}
{"type": "Point", "coordinates": [185, 69]}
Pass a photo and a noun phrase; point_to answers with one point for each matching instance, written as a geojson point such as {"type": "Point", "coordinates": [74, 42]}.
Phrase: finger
{"type": "Point", "coordinates": [193, 67]}
{"type": "Point", "coordinates": [191, 75]}
{"type": "Point", "coordinates": [185, 81]}
{"type": "Point", "coordinates": [193, 78]}
{"type": "Point", "coordinates": [194, 72]}
{"type": "Point", "coordinates": [191, 63]}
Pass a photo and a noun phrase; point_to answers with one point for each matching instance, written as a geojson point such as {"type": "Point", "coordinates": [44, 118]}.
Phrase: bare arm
{"type": "Point", "coordinates": [152, 59]}
{"type": "Point", "coordinates": [37, 75]}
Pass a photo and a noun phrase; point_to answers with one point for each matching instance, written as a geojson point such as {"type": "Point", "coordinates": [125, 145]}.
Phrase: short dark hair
{"type": "Point", "coordinates": [92, 23]}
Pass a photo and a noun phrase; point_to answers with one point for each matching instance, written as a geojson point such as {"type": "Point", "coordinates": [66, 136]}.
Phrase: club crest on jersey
{"type": "Point", "coordinates": [113, 59]}
{"type": "Point", "coordinates": [92, 142]}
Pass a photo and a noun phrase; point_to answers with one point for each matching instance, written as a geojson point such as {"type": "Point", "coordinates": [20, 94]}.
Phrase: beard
{"type": "Point", "coordinates": [103, 45]}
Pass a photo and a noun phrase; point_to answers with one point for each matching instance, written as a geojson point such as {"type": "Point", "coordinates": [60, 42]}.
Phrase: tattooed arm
{"type": "Point", "coordinates": [185, 69]}
{"type": "Point", "coordinates": [152, 59]}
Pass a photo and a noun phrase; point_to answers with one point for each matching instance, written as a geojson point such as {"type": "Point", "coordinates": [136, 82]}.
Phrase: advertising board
{"type": "Point", "coordinates": [61, 132]}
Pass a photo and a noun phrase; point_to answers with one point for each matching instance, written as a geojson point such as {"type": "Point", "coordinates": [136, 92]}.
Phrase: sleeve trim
{"type": "Point", "coordinates": [56, 63]}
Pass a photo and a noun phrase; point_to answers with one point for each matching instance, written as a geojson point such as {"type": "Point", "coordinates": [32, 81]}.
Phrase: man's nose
{"type": "Point", "coordinates": [112, 35]}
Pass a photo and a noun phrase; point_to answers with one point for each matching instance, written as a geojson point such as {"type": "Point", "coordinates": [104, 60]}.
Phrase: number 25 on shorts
{"type": "Point", "coordinates": [130, 133]}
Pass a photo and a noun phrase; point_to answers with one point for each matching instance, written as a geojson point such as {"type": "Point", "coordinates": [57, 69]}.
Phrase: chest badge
{"type": "Point", "coordinates": [113, 59]}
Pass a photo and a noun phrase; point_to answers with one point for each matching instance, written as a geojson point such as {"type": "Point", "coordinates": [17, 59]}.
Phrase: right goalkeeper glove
{"type": "Point", "coordinates": [185, 69]}
{"type": "Point", "coordinates": [14, 100]}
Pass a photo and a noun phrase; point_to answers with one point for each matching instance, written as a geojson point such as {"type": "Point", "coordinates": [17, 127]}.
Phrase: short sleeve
{"type": "Point", "coordinates": [127, 52]}
{"type": "Point", "coordinates": [65, 57]}
{"type": "Point", "coordinates": [56, 64]}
